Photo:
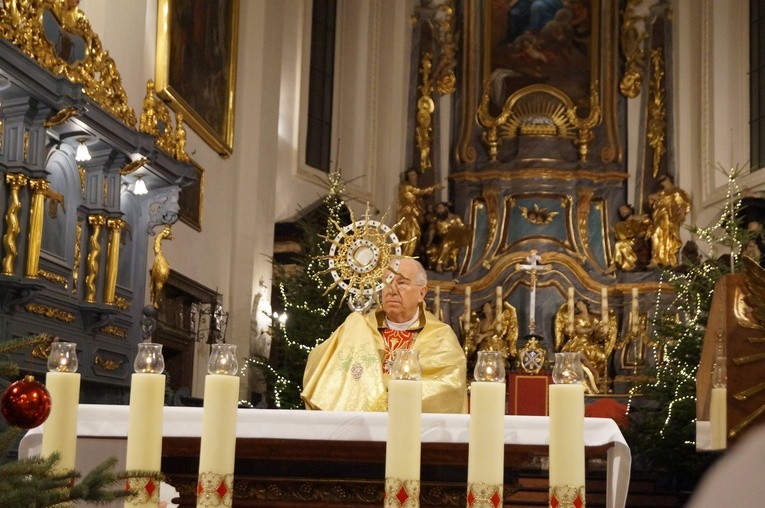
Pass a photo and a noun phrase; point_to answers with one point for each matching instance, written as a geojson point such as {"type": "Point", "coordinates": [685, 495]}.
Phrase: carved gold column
{"type": "Point", "coordinates": [36, 211]}
{"type": "Point", "coordinates": [96, 223]}
{"type": "Point", "coordinates": [77, 254]}
{"type": "Point", "coordinates": [14, 181]}
{"type": "Point", "coordinates": [112, 258]}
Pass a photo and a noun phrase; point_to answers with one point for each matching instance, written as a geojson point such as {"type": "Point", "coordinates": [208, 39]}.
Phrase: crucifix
{"type": "Point", "coordinates": [532, 267]}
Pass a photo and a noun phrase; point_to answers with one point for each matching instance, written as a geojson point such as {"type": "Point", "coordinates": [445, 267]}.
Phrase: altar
{"type": "Point", "coordinates": [349, 446]}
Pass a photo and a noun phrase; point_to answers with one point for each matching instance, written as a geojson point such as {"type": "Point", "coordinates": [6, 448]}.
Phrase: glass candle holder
{"type": "Point", "coordinates": [568, 369]}
{"type": "Point", "coordinates": [149, 359]}
{"type": "Point", "coordinates": [489, 366]}
{"type": "Point", "coordinates": [223, 360]}
{"type": "Point", "coordinates": [63, 357]}
{"type": "Point", "coordinates": [406, 365]}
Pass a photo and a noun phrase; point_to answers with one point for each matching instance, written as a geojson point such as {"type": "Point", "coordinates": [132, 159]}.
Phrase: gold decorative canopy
{"type": "Point", "coordinates": [57, 35]}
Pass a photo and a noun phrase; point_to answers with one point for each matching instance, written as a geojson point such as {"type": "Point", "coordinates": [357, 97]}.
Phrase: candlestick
{"type": "Point", "coordinates": [437, 302]}
{"type": "Point", "coordinates": [498, 310]}
{"type": "Point", "coordinates": [570, 310]}
{"type": "Point", "coordinates": [486, 450]}
{"type": "Point", "coordinates": [144, 438]}
{"type": "Point", "coordinates": [63, 384]}
{"type": "Point", "coordinates": [218, 444]}
{"type": "Point", "coordinates": [567, 430]}
{"type": "Point", "coordinates": [402, 450]}
{"type": "Point", "coordinates": [604, 308]}
{"type": "Point", "coordinates": [467, 309]}
{"type": "Point", "coordinates": [635, 313]}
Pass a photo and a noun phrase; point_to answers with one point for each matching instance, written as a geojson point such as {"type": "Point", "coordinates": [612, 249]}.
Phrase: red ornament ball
{"type": "Point", "coordinates": [26, 403]}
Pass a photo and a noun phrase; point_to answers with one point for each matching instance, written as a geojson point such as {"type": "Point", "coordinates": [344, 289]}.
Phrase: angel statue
{"type": "Point", "coordinates": [492, 332]}
{"type": "Point", "coordinates": [587, 336]}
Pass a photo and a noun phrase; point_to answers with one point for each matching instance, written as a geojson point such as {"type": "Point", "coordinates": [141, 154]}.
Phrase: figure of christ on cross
{"type": "Point", "coordinates": [532, 267]}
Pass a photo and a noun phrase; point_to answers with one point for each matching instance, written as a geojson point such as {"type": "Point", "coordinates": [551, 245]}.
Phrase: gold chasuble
{"type": "Point", "coordinates": [345, 372]}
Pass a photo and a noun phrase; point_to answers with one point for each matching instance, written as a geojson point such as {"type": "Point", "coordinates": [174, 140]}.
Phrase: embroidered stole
{"type": "Point", "coordinates": [395, 339]}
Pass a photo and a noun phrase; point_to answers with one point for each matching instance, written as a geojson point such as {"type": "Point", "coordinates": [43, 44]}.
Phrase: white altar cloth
{"type": "Point", "coordinates": [106, 421]}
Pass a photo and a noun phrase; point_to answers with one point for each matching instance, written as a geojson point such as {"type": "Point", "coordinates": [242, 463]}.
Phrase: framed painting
{"type": "Point", "coordinates": [551, 42]}
{"type": "Point", "coordinates": [191, 200]}
{"type": "Point", "coordinates": [196, 65]}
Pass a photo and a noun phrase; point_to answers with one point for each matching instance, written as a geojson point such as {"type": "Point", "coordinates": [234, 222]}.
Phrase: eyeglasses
{"type": "Point", "coordinates": [404, 284]}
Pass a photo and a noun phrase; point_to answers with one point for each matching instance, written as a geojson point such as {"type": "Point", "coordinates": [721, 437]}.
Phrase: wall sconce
{"type": "Point", "coordinates": [139, 188]}
{"type": "Point", "coordinates": [82, 155]}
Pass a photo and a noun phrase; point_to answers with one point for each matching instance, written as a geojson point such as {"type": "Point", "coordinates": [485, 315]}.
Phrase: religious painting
{"type": "Point", "coordinates": [550, 42]}
{"type": "Point", "coordinates": [196, 65]}
{"type": "Point", "coordinates": [191, 200]}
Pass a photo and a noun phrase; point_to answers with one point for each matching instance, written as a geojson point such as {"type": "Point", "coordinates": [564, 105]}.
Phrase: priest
{"type": "Point", "coordinates": [350, 370]}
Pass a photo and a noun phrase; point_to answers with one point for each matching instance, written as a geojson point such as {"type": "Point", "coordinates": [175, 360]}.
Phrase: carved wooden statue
{"type": "Point", "coordinates": [591, 339]}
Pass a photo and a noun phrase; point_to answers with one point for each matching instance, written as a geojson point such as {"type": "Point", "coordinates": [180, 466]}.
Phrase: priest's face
{"type": "Point", "coordinates": [402, 297]}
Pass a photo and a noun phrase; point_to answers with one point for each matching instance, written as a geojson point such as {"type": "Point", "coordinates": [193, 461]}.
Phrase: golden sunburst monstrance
{"type": "Point", "coordinates": [359, 256]}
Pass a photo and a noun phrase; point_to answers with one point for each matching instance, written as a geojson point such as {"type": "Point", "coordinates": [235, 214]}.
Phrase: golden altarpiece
{"type": "Point", "coordinates": [535, 100]}
{"type": "Point", "coordinates": [74, 234]}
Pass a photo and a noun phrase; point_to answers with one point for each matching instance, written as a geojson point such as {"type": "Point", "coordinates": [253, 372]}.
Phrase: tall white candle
{"type": "Point", "coordinates": [567, 435]}
{"type": "Point", "coordinates": [144, 438]}
{"type": "Point", "coordinates": [604, 308]}
{"type": "Point", "coordinates": [60, 429]}
{"type": "Point", "coordinates": [63, 384]}
{"type": "Point", "coordinates": [402, 450]}
{"type": "Point", "coordinates": [486, 451]}
{"type": "Point", "coordinates": [437, 302]}
{"type": "Point", "coordinates": [718, 418]}
{"type": "Point", "coordinates": [218, 445]}
{"type": "Point", "coordinates": [570, 310]}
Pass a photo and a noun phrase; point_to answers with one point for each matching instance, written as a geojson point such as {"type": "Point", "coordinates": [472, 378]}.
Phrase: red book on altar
{"type": "Point", "coordinates": [527, 394]}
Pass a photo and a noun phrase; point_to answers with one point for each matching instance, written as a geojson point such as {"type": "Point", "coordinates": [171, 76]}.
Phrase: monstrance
{"type": "Point", "coordinates": [358, 258]}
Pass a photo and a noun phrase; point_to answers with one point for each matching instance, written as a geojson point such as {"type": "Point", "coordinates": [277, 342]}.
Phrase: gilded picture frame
{"type": "Point", "coordinates": [191, 200]}
{"type": "Point", "coordinates": [548, 42]}
{"type": "Point", "coordinates": [196, 66]}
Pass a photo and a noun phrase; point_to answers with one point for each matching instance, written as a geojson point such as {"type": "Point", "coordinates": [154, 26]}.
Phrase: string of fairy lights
{"type": "Point", "coordinates": [691, 304]}
{"type": "Point", "coordinates": [314, 269]}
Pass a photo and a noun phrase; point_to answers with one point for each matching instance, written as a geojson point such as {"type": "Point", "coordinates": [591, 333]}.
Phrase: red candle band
{"type": "Point", "coordinates": [566, 496]}
{"type": "Point", "coordinates": [484, 495]}
{"type": "Point", "coordinates": [402, 493]}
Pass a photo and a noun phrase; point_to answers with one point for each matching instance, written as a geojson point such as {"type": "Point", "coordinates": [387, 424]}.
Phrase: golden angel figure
{"type": "Point", "coordinates": [447, 236]}
{"type": "Point", "coordinates": [631, 235]}
{"type": "Point", "coordinates": [669, 208]}
{"type": "Point", "coordinates": [589, 338]}
{"type": "Point", "coordinates": [411, 210]}
{"type": "Point", "coordinates": [492, 332]}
